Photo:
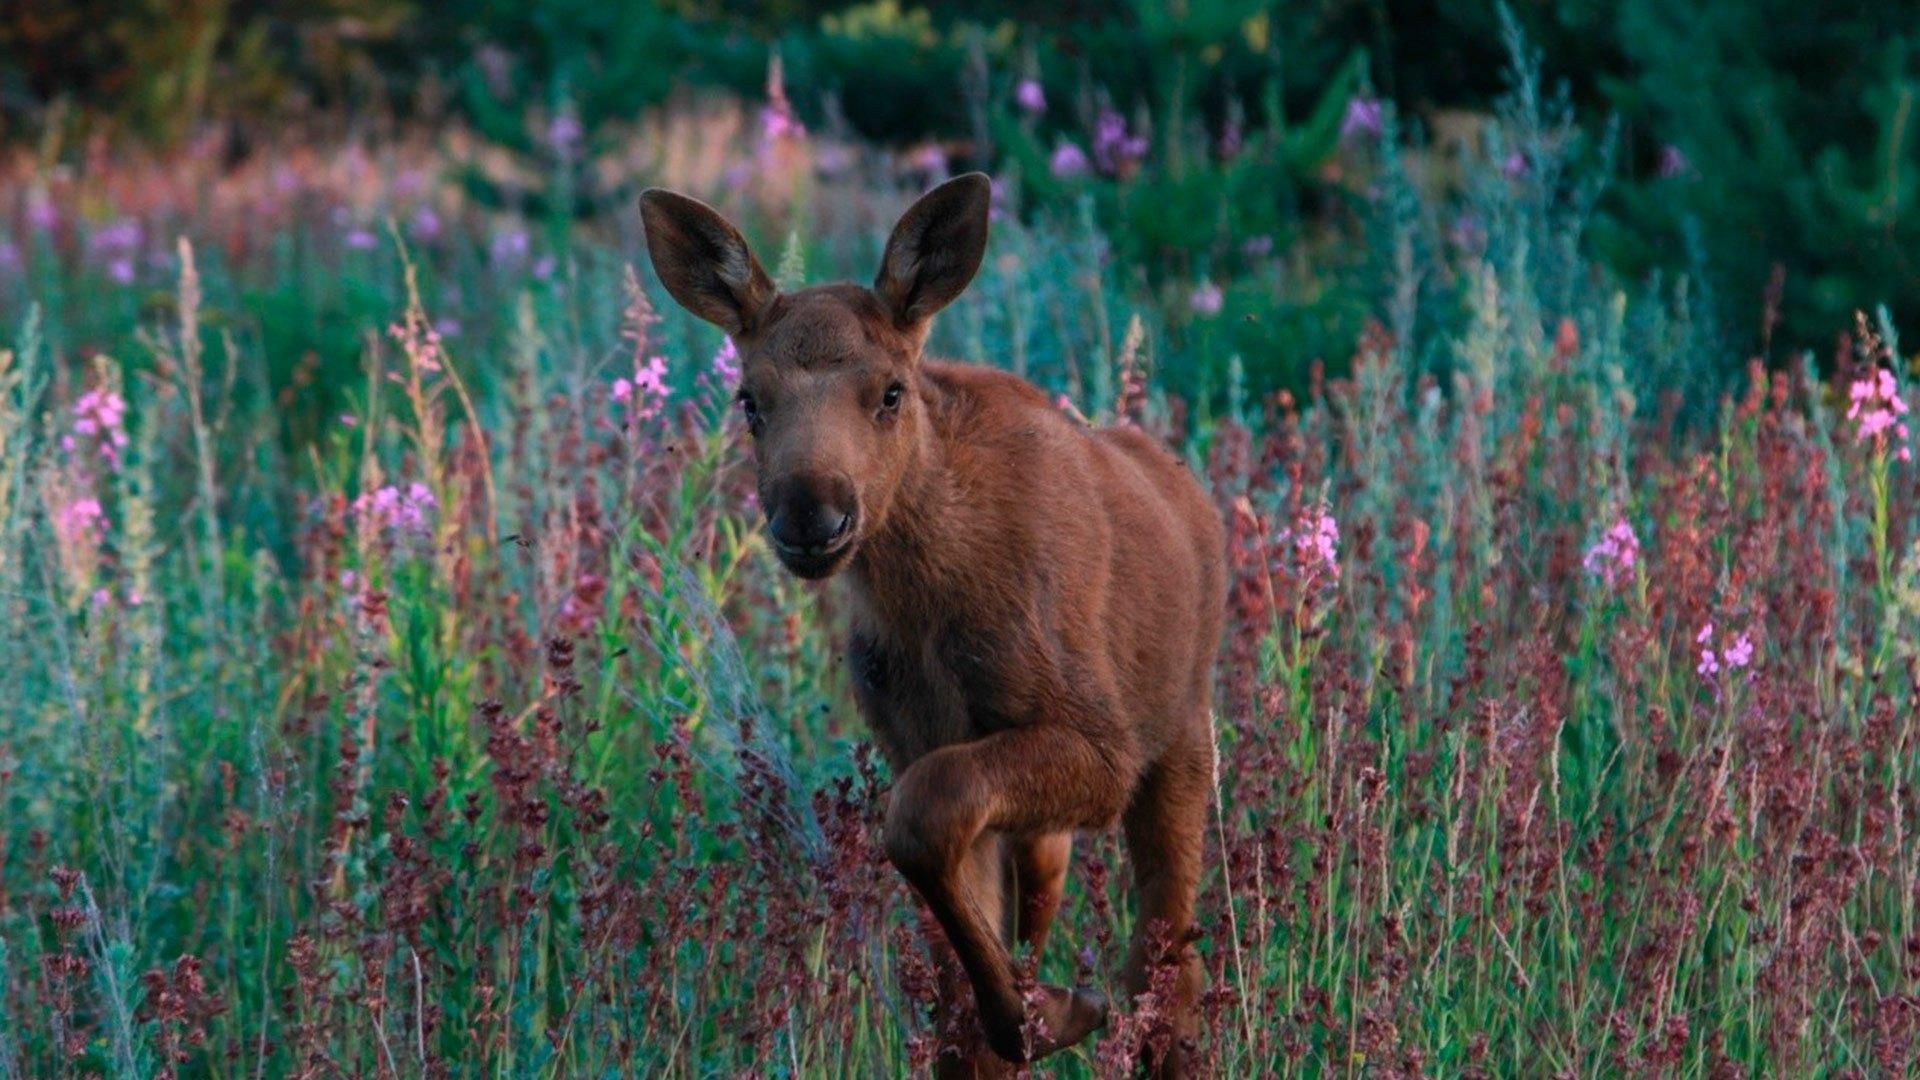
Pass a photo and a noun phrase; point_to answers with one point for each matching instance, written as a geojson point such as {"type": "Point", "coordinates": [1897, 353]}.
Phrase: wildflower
{"type": "Point", "coordinates": [1673, 162]}
{"type": "Point", "coordinates": [420, 340]}
{"type": "Point", "coordinates": [1876, 409]}
{"type": "Point", "coordinates": [543, 267]}
{"type": "Point", "coordinates": [1514, 166]}
{"type": "Point", "coordinates": [1468, 234]}
{"type": "Point", "coordinates": [778, 124]}
{"type": "Point", "coordinates": [1030, 95]}
{"type": "Point", "coordinates": [564, 132]}
{"type": "Point", "coordinates": [101, 416]}
{"type": "Point", "coordinates": [645, 393]}
{"type": "Point", "coordinates": [80, 520]}
{"type": "Point", "coordinates": [42, 215]}
{"type": "Point", "coordinates": [1206, 300]}
{"type": "Point", "coordinates": [9, 255]}
{"type": "Point", "coordinates": [1364, 117]}
{"type": "Point", "coordinates": [930, 159]}
{"type": "Point", "coordinates": [1612, 557]}
{"type": "Point", "coordinates": [394, 510]}
{"type": "Point", "coordinates": [361, 239]}
{"type": "Point", "coordinates": [726, 363]}
{"type": "Point", "coordinates": [1068, 162]}
{"type": "Point", "coordinates": [1115, 150]}
{"type": "Point", "coordinates": [1315, 542]}
{"type": "Point", "coordinates": [508, 247]}
{"type": "Point", "coordinates": [1734, 657]}
{"type": "Point", "coordinates": [1257, 247]}
{"type": "Point", "coordinates": [1232, 138]}
{"type": "Point", "coordinates": [424, 225]}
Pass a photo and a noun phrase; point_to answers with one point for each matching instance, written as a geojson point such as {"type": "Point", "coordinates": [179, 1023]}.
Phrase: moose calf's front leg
{"type": "Point", "coordinates": [1024, 782]}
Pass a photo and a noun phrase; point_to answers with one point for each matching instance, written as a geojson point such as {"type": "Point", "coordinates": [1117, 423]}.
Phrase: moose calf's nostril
{"type": "Point", "coordinates": [809, 521]}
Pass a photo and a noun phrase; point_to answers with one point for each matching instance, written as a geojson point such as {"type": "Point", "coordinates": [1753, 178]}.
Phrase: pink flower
{"type": "Point", "coordinates": [726, 363]}
{"type": "Point", "coordinates": [1877, 409]}
{"type": "Point", "coordinates": [81, 520]}
{"type": "Point", "coordinates": [394, 510]}
{"type": "Point", "coordinates": [1613, 556]}
{"type": "Point", "coordinates": [1031, 96]}
{"type": "Point", "coordinates": [1315, 539]}
{"type": "Point", "coordinates": [1734, 657]}
{"type": "Point", "coordinates": [1674, 163]}
{"type": "Point", "coordinates": [1515, 166]}
{"type": "Point", "coordinates": [646, 392]}
{"type": "Point", "coordinates": [100, 416]}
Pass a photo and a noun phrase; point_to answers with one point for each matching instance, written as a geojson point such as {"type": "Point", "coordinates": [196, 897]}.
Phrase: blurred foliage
{"type": "Point", "coordinates": [1756, 134]}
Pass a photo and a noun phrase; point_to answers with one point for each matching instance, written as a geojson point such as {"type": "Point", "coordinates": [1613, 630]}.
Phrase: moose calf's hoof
{"type": "Point", "coordinates": [1064, 1018]}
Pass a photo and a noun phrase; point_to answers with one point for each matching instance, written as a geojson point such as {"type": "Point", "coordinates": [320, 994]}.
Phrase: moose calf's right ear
{"type": "Point", "coordinates": [704, 261]}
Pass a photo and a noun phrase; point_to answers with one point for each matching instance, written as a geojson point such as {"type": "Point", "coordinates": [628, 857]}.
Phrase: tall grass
{"type": "Point", "coordinates": [397, 682]}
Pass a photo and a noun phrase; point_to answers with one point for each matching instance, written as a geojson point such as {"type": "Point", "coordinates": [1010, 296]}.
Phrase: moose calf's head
{"type": "Point", "coordinates": [829, 375]}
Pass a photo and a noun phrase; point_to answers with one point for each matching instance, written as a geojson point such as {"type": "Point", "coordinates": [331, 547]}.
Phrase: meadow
{"type": "Point", "coordinates": [396, 682]}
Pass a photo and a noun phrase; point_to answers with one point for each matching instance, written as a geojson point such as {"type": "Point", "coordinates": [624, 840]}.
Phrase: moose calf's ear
{"type": "Point", "coordinates": [935, 249]}
{"type": "Point", "coordinates": [704, 261]}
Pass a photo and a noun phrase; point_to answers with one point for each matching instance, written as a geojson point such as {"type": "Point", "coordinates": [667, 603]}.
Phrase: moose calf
{"type": "Point", "coordinates": [1035, 604]}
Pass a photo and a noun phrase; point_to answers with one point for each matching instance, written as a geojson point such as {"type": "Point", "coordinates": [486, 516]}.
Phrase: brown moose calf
{"type": "Point", "coordinates": [1035, 604]}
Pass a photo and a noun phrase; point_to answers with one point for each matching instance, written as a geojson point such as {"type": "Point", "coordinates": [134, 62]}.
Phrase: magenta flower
{"type": "Point", "coordinates": [1612, 557]}
{"type": "Point", "coordinates": [1514, 166]}
{"type": "Point", "coordinates": [646, 393]}
{"type": "Point", "coordinates": [1733, 658]}
{"type": "Point", "coordinates": [1877, 409]}
{"type": "Point", "coordinates": [362, 239]}
{"type": "Point", "coordinates": [101, 417]}
{"type": "Point", "coordinates": [1031, 96]}
{"type": "Point", "coordinates": [726, 363]}
{"type": "Point", "coordinates": [81, 520]}
{"type": "Point", "coordinates": [1315, 539]}
{"type": "Point", "coordinates": [391, 509]}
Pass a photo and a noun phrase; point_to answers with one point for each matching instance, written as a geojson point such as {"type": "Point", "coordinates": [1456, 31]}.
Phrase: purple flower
{"type": "Point", "coordinates": [1031, 97]}
{"type": "Point", "coordinates": [1206, 300]}
{"type": "Point", "coordinates": [1514, 166]}
{"type": "Point", "coordinates": [362, 239]}
{"type": "Point", "coordinates": [101, 416]}
{"type": "Point", "coordinates": [1257, 247]}
{"type": "Point", "coordinates": [1674, 163]}
{"type": "Point", "coordinates": [1069, 162]}
{"type": "Point", "coordinates": [1116, 150]}
{"type": "Point", "coordinates": [9, 255]}
{"type": "Point", "coordinates": [508, 247]}
{"type": "Point", "coordinates": [1364, 117]}
{"type": "Point", "coordinates": [42, 215]}
{"type": "Point", "coordinates": [1468, 234]}
{"type": "Point", "coordinates": [543, 267]}
{"type": "Point", "coordinates": [80, 520]}
{"type": "Point", "coordinates": [564, 133]}
{"type": "Point", "coordinates": [424, 225]}
{"type": "Point", "coordinates": [1315, 539]}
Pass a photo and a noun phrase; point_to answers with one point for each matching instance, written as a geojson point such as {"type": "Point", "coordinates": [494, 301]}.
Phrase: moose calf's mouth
{"type": "Point", "coordinates": [821, 559]}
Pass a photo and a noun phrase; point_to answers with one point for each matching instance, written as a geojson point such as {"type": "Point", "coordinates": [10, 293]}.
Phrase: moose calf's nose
{"type": "Point", "coordinates": [811, 513]}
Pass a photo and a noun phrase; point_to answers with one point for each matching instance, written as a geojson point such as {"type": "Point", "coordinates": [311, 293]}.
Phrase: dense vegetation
{"type": "Point", "coordinates": [396, 681]}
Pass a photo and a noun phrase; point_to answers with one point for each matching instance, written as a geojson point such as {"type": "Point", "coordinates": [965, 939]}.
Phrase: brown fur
{"type": "Point", "coordinates": [1036, 604]}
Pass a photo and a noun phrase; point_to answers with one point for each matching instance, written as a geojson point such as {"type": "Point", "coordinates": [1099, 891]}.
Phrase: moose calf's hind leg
{"type": "Point", "coordinates": [1040, 875]}
{"type": "Point", "coordinates": [1026, 782]}
{"type": "Point", "coordinates": [1166, 834]}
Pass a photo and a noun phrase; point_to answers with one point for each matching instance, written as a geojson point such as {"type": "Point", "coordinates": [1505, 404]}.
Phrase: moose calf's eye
{"type": "Point", "coordinates": [892, 400]}
{"type": "Point", "coordinates": [750, 410]}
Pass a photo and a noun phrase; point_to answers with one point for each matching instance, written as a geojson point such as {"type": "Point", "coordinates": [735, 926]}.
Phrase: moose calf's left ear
{"type": "Point", "coordinates": [935, 249]}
